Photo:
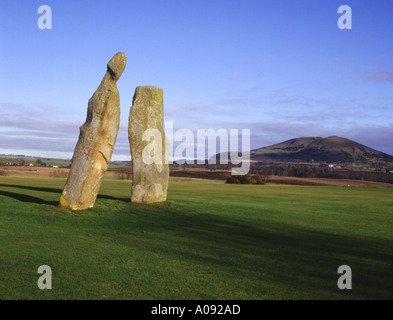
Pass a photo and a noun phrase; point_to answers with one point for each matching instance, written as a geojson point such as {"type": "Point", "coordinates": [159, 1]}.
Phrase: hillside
{"type": "Point", "coordinates": [330, 150]}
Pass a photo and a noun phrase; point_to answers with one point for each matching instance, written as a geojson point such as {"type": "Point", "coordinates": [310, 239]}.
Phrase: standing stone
{"type": "Point", "coordinates": [149, 146]}
{"type": "Point", "coordinates": [97, 138]}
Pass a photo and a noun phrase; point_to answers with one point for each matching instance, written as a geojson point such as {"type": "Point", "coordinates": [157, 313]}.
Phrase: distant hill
{"type": "Point", "coordinates": [330, 150]}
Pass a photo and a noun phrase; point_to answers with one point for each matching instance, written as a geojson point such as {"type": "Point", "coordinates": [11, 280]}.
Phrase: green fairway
{"type": "Point", "coordinates": [210, 240]}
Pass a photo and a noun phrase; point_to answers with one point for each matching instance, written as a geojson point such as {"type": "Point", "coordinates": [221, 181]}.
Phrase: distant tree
{"type": "Point", "coordinates": [247, 179]}
{"type": "Point", "coordinates": [124, 173]}
{"type": "Point", "coordinates": [233, 180]}
{"type": "Point", "coordinates": [40, 163]}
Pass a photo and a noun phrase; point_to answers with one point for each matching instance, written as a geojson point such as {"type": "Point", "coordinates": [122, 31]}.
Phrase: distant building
{"type": "Point", "coordinates": [55, 166]}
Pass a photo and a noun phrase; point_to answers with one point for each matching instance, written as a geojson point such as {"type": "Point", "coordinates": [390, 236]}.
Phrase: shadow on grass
{"type": "Point", "coordinates": [27, 198]}
{"type": "Point", "coordinates": [299, 260]}
{"type": "Point", "coordinates": [32, 199]}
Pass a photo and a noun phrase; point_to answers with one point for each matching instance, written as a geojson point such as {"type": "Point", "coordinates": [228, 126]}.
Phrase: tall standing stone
{"type": "Point", "coordinates": [149, 146]}
{"type": "Point", "coordinates": [97, 138]}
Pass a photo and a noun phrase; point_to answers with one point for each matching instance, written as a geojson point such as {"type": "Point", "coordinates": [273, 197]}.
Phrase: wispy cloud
{"type": "Point", "coordinates": [381, 75]}
{"type": "Point", "coordinates": [371, 73]}
{"type": "Point", "coordinates": [33, 128]}
{"type": "Point", "coordinates": [287, 104]}
{"type": "Point", "coordinates": [271, 121]}
{"type": "Point", "coordinates": [35, 143]}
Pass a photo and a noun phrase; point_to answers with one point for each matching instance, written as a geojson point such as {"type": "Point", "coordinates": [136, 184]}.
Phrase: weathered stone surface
{"type": "Point", "coordinates": [97, 138]}
{"type": "Point", "coordinates": [149, 146]}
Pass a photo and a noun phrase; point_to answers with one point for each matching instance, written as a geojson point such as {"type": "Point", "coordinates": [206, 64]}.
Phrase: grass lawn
{"type": "Point", "coordinates": [208, 241]}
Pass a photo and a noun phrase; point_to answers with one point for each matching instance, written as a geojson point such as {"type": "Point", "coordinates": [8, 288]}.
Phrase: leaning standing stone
{"type": "Point", "coordinates": [97, 138]}
{"type": "Point", "coordinates": [149, 146]}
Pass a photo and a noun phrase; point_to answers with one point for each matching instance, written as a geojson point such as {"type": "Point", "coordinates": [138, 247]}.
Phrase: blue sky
{"type": "Point", "coordinates": [282, 68]}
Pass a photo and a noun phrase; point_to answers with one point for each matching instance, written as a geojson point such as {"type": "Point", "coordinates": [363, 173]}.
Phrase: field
{"type": "Point", "coordinates": [210, 240]}
{"type": "Point", "coordinates": [32, 160]}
